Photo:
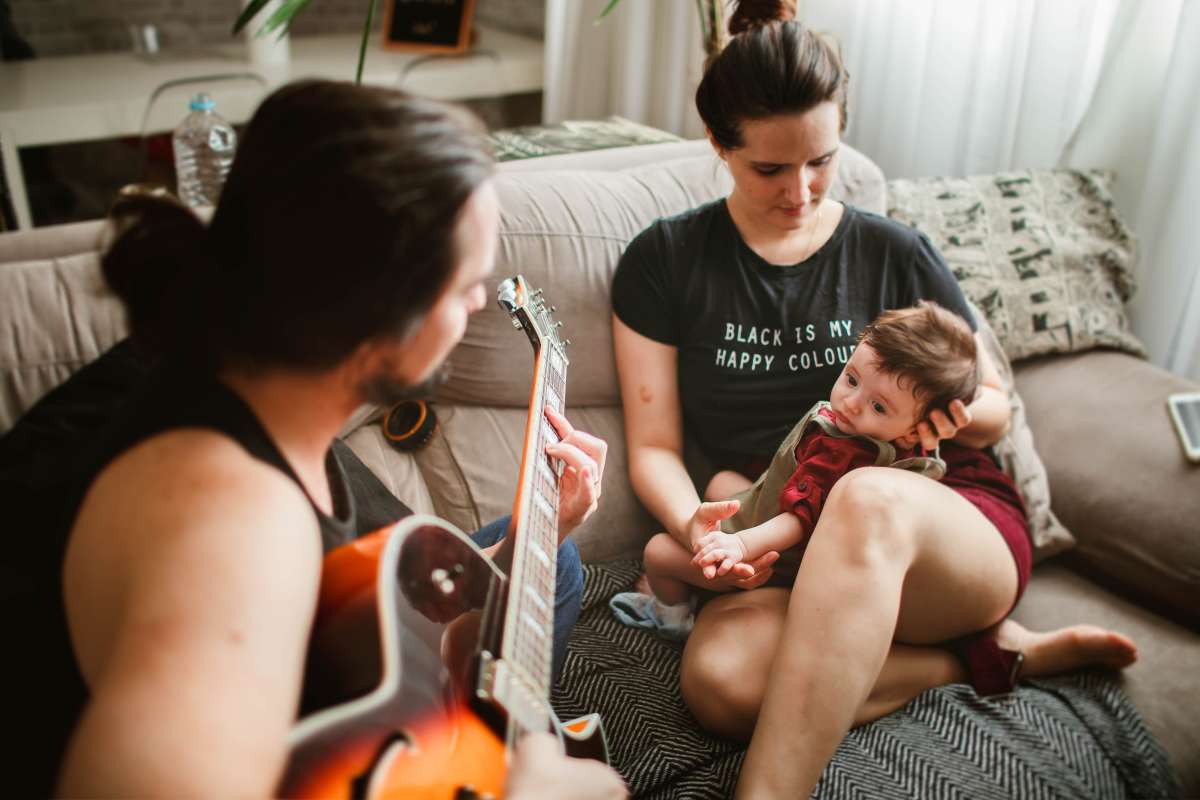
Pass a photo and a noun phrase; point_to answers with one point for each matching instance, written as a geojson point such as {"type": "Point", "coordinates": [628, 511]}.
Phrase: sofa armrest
{"type": "Point", "coordinates": [1118, 477]}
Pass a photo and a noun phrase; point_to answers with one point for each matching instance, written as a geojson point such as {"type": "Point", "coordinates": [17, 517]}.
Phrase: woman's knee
{"type": "Point", "coordinates": [725, 665]}
{"type": "Point", "coordinates": [716, 689]}
{"type": "Point", "coordinates": [868, 509]}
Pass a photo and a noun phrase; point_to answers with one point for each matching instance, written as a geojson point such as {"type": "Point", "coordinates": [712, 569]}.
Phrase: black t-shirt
{"type": "Point", "coordinates": [759, 344]}
{"type": "Point", "coordinates": [48, 461]}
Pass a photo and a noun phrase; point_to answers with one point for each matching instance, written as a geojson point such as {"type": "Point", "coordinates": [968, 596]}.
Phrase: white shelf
{"type": "Point", "coordinates": [82, 98]}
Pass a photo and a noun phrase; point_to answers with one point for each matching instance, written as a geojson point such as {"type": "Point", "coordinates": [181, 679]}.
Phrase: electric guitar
{"type": "Point", "coordinates": [427, 663]}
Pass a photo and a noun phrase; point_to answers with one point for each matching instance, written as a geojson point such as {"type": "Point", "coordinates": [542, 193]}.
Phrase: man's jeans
{"type": "Point", "coordinates": [568, 592]}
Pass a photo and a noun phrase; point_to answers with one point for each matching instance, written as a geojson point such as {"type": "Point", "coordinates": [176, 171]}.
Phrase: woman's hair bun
{"type": "Point", "coordinates": [751, 14]}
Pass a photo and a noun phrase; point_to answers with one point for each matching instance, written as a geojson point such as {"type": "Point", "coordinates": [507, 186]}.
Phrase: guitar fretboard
{"type": "Point", "coordinates": [527, 645]}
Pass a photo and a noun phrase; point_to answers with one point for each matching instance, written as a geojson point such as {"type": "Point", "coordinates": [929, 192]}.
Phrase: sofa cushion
{"type": "Point", "coordinates": [1042, 252]}
{"type": "Point", "coordinates": [1019, 458]}
{"type": "Point", "coordinates": [57, 315]}
{"type": "Point", "coordinates": [1118, 474]}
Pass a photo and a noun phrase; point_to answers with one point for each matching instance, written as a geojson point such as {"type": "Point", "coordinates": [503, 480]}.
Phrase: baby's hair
{"type": "Point", "coordinates": [929, 350]}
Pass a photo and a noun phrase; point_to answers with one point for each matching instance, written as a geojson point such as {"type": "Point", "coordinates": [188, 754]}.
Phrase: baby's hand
{"type": "Point", "coordinates": [717, 553]}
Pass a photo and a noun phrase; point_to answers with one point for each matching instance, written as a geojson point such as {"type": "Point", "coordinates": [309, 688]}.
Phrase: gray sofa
{"type": "Point", "coordinates": [1117, 477]}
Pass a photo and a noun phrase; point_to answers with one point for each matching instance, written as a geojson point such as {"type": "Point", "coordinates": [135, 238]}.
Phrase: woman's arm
{"type": "Point", "coordinates": [654, 438]}
{"type": "Point", "coordinates": [990, 413]}
{"type": "Point", "coordinates": [982, 423]}
{"type": "Point", "coordinates": [654, 429]}
{"type": "Point", "coordinates": [190, 585]}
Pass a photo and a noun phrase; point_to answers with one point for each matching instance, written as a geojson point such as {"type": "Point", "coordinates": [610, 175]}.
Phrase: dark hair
{"type": "Point", "coordinates": [335, 226]}
{"type": "Point", "coordinates": [931, 349]}
{"type": "Point", "coordinates": [772, 65]}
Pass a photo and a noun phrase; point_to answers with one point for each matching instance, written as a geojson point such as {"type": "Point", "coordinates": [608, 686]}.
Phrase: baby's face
{"type": "Point", "coordinates": [869, 402]}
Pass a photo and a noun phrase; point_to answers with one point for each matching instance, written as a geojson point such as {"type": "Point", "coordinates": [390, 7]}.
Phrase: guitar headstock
{"type": "Point", "coordinates": [531, 313]}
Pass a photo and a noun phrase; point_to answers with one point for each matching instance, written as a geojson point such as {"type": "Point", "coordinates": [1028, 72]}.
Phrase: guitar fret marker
{"type": "Point", "coordinates": [541, 554]}
{"type": "Point", "coordinates": [535, 625]}
{"type": "Point", "coordinates": [542, 505]}
{"type": "Point", "coordinates": [538, 601]}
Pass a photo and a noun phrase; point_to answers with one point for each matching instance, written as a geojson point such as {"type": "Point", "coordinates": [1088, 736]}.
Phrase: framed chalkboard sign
{"type": "Point", "coordinates": [431, 26]}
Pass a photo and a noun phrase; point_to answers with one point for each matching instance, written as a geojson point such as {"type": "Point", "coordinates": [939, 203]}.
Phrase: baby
{"type": "Point", "coordinates": [907, 363]}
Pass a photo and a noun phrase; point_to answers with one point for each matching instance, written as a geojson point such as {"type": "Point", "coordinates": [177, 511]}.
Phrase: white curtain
{"type": "Point", "coordinates": [960, 87]}
{"type": "Point", "coordinates": [1144, 122]}
{"type": "Point", "coordinates": [641, 62]}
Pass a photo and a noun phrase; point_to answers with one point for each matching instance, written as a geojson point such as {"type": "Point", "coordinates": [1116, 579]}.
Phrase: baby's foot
{"type": "Point", "coordinates": [1066, 649]}
{"type": "Point", "coordinates": [640, 610]}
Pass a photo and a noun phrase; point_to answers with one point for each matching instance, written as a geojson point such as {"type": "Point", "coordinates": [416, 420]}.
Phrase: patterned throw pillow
{"type": "Point", "coordinates": [1018, 458]}
{"type": "Point", "coordinates": [1042, 252]}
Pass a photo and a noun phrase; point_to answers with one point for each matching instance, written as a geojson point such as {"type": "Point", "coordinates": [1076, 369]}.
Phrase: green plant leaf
{"type": "Point", "coordinates": [366, 34]}
{"type": "Point", "coordinates": [248, 13]}
{"type": "Point", "coordinates": [607, 9]}
{"type": "Point", "coordinates": [283, 16]}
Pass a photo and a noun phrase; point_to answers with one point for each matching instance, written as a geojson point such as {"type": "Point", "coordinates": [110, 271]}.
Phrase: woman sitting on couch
{"type": "Point", "coordinates": [730, 317]}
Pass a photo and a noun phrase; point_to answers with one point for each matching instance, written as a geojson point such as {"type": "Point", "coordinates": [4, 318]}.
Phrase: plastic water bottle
{"type": "Point", "coordinates": [204, 145]}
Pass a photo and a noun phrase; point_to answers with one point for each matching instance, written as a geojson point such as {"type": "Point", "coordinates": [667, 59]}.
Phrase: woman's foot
{"type": "Point", "coordinates": [1066, 649]}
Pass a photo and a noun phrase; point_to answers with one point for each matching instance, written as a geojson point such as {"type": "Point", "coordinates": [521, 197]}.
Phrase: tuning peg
{"type": "Point", "coordinates": [553, 309]}
{"type": "Point", "coordinates": [566, 343]}
{"type": "Point", "coordinates": [558, 325]}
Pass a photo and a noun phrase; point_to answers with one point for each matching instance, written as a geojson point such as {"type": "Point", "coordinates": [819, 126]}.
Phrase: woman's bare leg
{"type": "Point", "coordinates": [891, 549]}
{"type": "Point", "coordinates": [729, 653]}
{"type": "Point", "coordinates": [879, 540]}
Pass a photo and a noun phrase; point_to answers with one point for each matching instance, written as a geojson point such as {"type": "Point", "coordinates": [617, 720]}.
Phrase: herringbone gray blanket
{"type": "Point", "coordinates": [1070, 737]}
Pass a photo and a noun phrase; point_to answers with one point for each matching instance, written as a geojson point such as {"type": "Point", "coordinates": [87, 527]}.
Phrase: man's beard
{"type": "Point", "coordinates": [385, 390]}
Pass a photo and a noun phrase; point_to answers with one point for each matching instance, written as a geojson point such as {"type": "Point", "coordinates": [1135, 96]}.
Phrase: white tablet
{"type": "Point", "coordinates": [1185, 411]}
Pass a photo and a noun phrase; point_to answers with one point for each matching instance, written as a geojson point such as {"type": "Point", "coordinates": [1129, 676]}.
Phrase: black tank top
{"type": "Point", "coordinates": [40, 674]}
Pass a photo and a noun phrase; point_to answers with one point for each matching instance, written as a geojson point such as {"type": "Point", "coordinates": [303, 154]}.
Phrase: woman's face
{"type": "Point", "coordinates": [785, 166]}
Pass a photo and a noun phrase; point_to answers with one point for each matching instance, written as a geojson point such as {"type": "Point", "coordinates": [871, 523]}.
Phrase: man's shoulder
{"type": "Point", "coordinates": [196, 475]}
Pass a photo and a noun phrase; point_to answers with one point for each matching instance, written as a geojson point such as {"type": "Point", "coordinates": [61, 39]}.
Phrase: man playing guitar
{"type": "Point", "coordinates": [349, 247]}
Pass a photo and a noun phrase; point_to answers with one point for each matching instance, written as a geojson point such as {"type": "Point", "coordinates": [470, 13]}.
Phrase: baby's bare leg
{"type": "Point", "coordinates": [670, 571]}
{"type": "Point", "coordinates": [726, 484]}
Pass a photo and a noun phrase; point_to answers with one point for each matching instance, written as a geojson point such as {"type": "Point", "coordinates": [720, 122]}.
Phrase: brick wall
{"type": "Point", "coordinates": [69, 27]}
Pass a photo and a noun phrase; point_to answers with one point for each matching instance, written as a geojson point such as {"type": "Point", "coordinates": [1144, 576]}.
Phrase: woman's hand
{"type": "Point", "coordinates": [717, 553]}
{"type": "Point", "coordinates": [540, 772]}
{"type": "Point", "coordinates": [746, 574]}
{"type": "Point", "coordinates": [580, 486]}
{"type": "Point", "coordinates": [707, 518]}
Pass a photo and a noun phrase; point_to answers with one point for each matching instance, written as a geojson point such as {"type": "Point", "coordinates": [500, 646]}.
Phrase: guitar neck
{"type": "Point", "coordinates": [527, 641]}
